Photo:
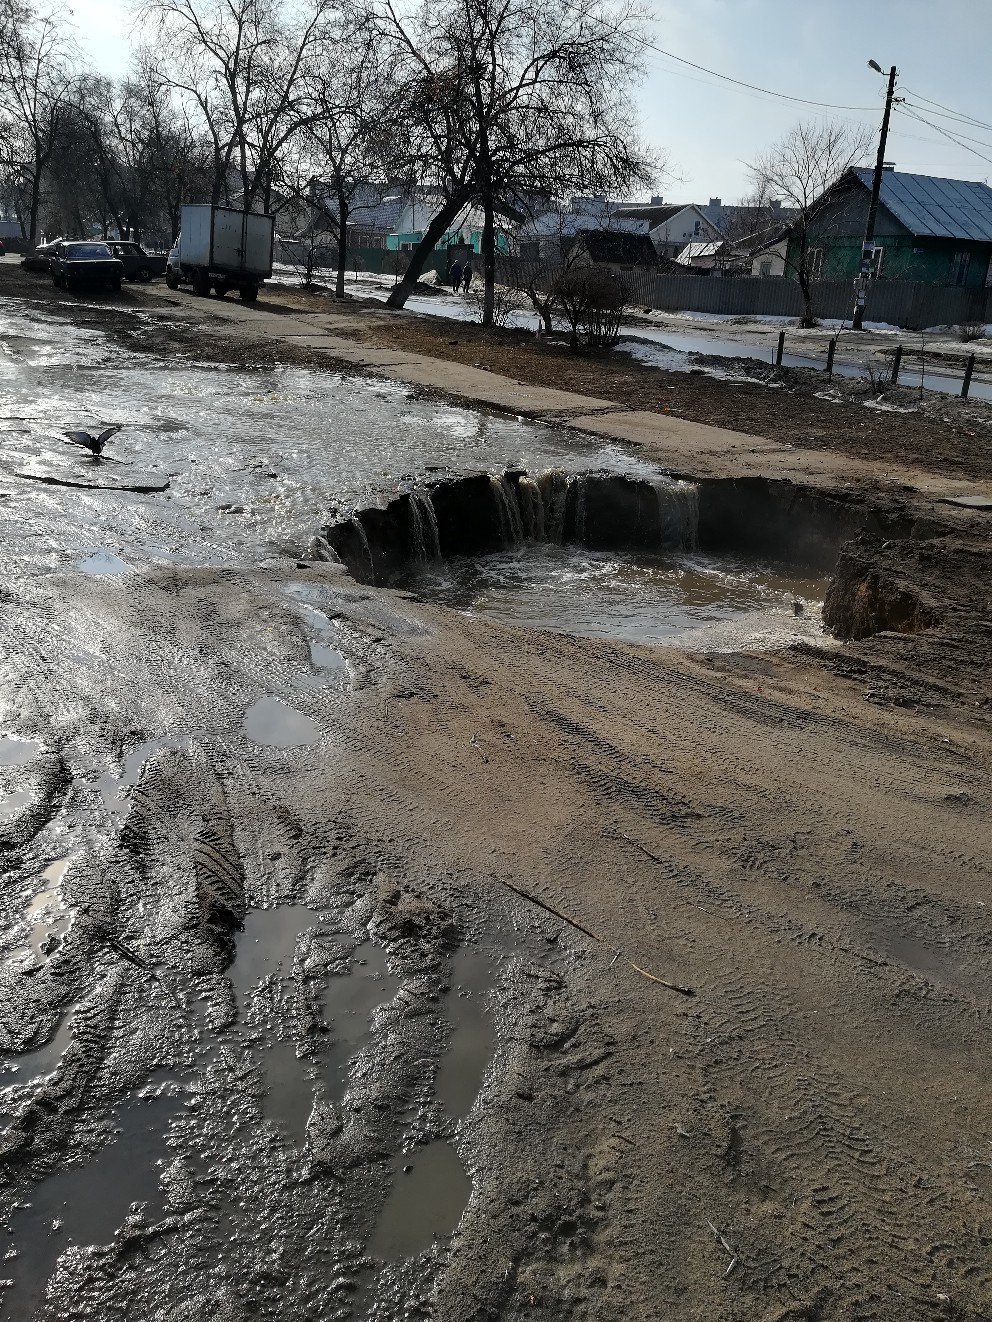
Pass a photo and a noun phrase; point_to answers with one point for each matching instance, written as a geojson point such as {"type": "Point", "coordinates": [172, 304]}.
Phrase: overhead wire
{"type": "Point", "coordinates": [947, 134]}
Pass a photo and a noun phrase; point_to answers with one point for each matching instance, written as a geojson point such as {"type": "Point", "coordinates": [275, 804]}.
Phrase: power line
{"type": "Point", "coordinates": [949, 113]}
{"type": "Point", "coordinates": [947, 134]}
{"type": "Point", "coordinates": [753, 87]}
{"type": "Point", "coordinates": [737, 82]}
{"type": "Point", "coordinates": [965, 137]}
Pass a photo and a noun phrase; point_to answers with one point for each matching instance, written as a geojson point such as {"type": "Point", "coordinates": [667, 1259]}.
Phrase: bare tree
{"type": "Point", "coordinates": [345, 158]}
{"type": "Point", "coordinates": [240, 64]}
{"type": "Point", "coordinates": [511, 98]}
{"type": "Point", "coordinates": [799, 171]}
{"type": "Point", "coordinates": [36, 79]}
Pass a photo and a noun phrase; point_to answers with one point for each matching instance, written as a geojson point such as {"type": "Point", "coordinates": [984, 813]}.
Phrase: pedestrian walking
{"type": "Point", "coordinates": [455, 276]}
{"type": "Point", "coordinates": [467, 274]}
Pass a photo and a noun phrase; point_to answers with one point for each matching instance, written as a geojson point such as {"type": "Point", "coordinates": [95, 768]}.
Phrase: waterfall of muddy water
{"type": "Point", "coordinates": [678, 513]}
{"type": "Point", "coordinates": [553, 487]}
{"type": "Point", "coordinates": [531, 509]}
{"type": "Point", "coordinates": [688, 600]}
{"type": "Point", "coordinates": [507, 511]}
{"type": "Point", "coordinates": [426, 543]}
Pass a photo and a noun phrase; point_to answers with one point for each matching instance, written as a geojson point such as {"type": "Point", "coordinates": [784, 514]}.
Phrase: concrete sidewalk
{"type": "Point", "coordinates": [673, 443]}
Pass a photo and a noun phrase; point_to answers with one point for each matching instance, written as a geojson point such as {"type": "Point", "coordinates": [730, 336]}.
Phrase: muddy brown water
{"type": "Point", "coordinates": [685, 599]}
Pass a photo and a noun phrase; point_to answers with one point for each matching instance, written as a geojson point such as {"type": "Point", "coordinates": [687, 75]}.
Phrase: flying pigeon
{"type": "Point", "coordinates": [94, 444]}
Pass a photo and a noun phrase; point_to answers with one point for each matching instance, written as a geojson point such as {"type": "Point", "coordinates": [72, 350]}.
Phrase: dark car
{"type": "Point", "coordinates": [77, 264]}
{"type": "Point", "coordinates": [138, 264]}
{"type": "Point", "coordinates": [40, 258]}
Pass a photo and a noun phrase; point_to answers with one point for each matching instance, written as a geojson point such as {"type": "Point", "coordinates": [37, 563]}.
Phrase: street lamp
{"type": "Point", "coordinates": [868, 247]}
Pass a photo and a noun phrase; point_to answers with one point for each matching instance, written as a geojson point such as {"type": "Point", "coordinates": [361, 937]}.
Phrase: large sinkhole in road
{"type": "Point", "coordinates": [679, 598]}
{"type": "Point", "coordinates": [714, 565]}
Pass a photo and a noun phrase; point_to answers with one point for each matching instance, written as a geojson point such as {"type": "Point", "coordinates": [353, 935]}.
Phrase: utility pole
{"type": "Point", "coordinates": [867, 251]}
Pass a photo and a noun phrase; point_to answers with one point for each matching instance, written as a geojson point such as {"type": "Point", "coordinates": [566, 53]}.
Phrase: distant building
{"type": "Point", "coordinates": [546, 234]}
{"type": "Point", "coordinates": [705, 255]}
{"type": "Point", "coordinates": [938, 231]}
{"type": "Point", "coordinates": [670, 225]}
{"type": "Point", "coordinates": [419, 209]}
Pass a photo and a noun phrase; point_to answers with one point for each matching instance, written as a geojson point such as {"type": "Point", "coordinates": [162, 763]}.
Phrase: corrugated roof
{"type": "Point", "coordinates": [940, 208]}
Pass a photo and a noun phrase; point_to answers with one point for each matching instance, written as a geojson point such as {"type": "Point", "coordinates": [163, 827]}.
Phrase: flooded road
{"type": "Point", "coordinates": [251, 461]}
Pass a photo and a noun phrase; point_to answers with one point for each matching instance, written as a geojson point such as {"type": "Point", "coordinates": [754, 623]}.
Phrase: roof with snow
{"type": "Point", "coordinates": [939, 208]}
{"type": "Point", "coordinates": [692, 251]}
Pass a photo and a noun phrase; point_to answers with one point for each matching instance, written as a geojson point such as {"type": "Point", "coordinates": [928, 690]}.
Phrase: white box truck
{"type": "Point", "coordinates": [222, 249]}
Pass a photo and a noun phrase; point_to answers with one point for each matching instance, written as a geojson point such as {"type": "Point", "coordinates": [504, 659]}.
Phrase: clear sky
{"type": "Point", "coordinates": [817, 49]}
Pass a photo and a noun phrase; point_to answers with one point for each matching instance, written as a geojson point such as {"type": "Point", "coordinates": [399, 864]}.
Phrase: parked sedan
{"type": "Point", "coordinates": [76, 264]}
{"type": "Point", "coordinates": [138, 264]}
{"type": "Point", "coordinates": [40, 258]}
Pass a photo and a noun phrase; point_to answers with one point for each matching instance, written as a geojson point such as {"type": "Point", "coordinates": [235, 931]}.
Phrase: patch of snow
{"type": "Point", "coordinates": [882, 407]}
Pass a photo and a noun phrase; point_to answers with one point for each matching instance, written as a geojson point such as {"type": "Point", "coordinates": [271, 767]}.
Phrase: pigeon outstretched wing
{"type": "Point", "coordinates": [106, 435]}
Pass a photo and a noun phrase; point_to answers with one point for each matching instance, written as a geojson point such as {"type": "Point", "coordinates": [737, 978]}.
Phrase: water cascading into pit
{"type": "Point", "coordinates": [531, 503]}
{"type": "Point", "coordinates": [507, 511]}
{"type": "Point", "coordinates": [678, 513]}
{"type": "Point", "coordinates": [426, 539]}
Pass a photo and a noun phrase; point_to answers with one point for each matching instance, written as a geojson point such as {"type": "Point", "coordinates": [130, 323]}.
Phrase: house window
{"type": "Point", "coordinates": [695, 228]}
{"type": "Point", "coordinates": [766, 267]}
{"type": "Point", "coordinates": [814, 263]}
{"type": "Point", "coordinates": [959, 267]}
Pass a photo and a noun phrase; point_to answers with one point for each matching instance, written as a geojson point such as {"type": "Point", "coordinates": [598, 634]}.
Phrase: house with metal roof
{"type": "Point", "coordinates": [938, 231]}
{"type": "Point", "coordinates": [671, 225]}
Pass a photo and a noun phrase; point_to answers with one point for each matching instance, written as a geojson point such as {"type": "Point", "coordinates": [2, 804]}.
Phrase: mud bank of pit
{"type": "Point", "coordinates": [776, 521]}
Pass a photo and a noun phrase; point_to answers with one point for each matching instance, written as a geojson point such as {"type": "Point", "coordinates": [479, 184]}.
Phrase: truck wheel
{"type": "Point", "coordinates": [199, 284]}
{"type": "Point", "coordinates": [171, 279]}
{"type": "Point", "coordinates": [220, 289]}
{"type": "Point", "coordinates": [144, 274]}
{"type": "Point", "coordinates": [249, 293]}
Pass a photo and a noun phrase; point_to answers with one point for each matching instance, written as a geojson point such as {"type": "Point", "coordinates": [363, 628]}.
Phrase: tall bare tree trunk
{"type": "Point", "coordinates": [423, 250]}
{"type": "Point", "coordinates": [342, 246]}
{"type": "Point", "coordinates": [488, 260]}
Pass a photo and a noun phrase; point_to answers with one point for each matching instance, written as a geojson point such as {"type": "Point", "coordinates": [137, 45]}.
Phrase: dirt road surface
{"type": "Point", "coordinates": [280, 1037]}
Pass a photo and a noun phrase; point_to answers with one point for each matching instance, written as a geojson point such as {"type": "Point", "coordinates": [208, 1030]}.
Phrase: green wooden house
{"type": "Point", "coordinates": [938, 231]}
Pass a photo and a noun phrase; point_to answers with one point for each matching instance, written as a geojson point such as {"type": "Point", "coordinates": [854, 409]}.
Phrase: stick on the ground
{"type": "Point", "coordinates": [651, 977]}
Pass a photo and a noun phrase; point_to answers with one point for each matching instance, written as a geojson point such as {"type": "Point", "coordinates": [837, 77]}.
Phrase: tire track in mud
{"type": "Point", "coordinates": [817, 1133]}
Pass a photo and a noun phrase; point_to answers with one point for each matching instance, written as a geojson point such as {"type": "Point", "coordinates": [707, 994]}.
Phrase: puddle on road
{"type": "Point", "coordinates": [90, 1202]}
{"type": "Point", "coordinates": [425, 1203]}
{"type": "Point", "coordinates": [267, 947]}
{"type": "Point", "coordinates": [473, 1038]}
{"type": "Point", "coordinates": [104, 562]}
{"type": "Point", "coordinates": [16, 752]}
{"type": "Point", "coordinates": [45, 929]}
{"type": "Point", "coordinates": [935, 963]}
{"type": "Point", "coordinates": [325, 657]}
{"type": "Point", "coordinates": [274, 724]}
{"type": "Point", "coordinates": [113, 788]}
{"type": "Point", "coordinates": [12, 804]}
{"type": "Point", "coordinates": [349, 1004]}
{"type": "Point", "coordinates": [683, 599]}
{"type": "Point", "coordinates": [28, 1067]}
